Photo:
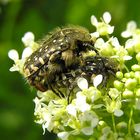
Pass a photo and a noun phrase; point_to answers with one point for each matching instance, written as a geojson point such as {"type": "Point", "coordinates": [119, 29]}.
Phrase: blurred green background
{"type": "Point", "coordinates": [41, 16]}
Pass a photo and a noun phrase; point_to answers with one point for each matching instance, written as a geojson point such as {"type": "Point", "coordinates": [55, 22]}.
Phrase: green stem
{"type": "Point", "coordinates": [130, 121]}
{"type": "Point", "coordinates": [113, 122]}
{"type": "Point", "coordinates": [126, 68]}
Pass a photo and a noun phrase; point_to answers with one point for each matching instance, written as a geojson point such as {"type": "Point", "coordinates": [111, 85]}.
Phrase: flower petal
{"type": "Point", "coordinates": [107, 17]}
{"type": "Point", "coordinates": [13, 54]}
{"type": "Point", "coordinates": [27, 52]}
{"type": "Point", "coordinates": [118, 112]}
{"type": "Point", "coordinates": [99, 43]}
{"type": "Point", "coordinates": [130, 43]}
{"type": "Point", "coordinates": [115, 42]}
{"type": "Point", "coordinates": [81, 102]}
{"type": "Point", "coordinates": [97, 80]}
{"type": "Point", "coordinates": [82, 83]}
{"type": "Point", "coordinates": [126, 34]}
{"type": "Point", "coordinates": [14, 68]}
{"type": "Point", "coordinates": [127, 57]}
{"type": "Point", "coordinates": [131, 26]}
{"type": "Point", "coordinates": [110, 29]}
{"type": "Point", "coordinates": [87, 130]}
{"type": "Point", "coordinates": [71, 110]}
{"type": "Point", "coordinates": [63, 135]}
{"type": "Point", "coordinates": [28, 38]}
{"type": "Point", "coordinates": [137, 127]}
{"type": "Point", "coordinates": [94, 35]}
{"type": "Point", "coordinates": [94, 20]}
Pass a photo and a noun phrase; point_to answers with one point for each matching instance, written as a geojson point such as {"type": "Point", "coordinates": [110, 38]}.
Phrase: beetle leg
{"type": "Point", "coordinates": [58, 92]}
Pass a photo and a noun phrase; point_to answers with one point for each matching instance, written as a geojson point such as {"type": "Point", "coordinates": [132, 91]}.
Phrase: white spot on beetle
{"type": "Point", "coordinates": [41, 60]}
{"type": "Point", "coordinates": [40, 49]}
{"type": "Point", "coordinates": [34, 68]}
{"type": "Point", "coordinates": [54, 41]}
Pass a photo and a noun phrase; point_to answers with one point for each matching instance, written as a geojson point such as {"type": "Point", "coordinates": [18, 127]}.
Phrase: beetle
{"type": "Point", "coordinates": [61, 58]}
{"type": "Point", "coordinates": [58, 53]}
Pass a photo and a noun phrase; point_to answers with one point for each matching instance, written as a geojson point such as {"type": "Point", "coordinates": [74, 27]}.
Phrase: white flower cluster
{"type": "Point", "coordinates": [69, 119]}
{"type": "Point", "coordinates": [28, 41]}
{"type": "Point", "coordinates": [111, 47]}
{"type": "Point", "coordinates": [93, 111]}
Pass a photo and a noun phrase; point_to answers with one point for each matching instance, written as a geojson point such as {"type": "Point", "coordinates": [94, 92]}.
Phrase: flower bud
{"type": "Point", "coordinates": [122, 126]}
{"type": "Point", "coordinates": [101, 125]}
{"type": "Point", "coordinates": [138, 93]}
{"type": "Point", "coordinates": [135, 67]}
{"type": "Point", "coordinates": [137, 47]}
{"type": "Point", "coordinates": [128, 94]}
{"type": "Point", "coordinates": [130, 83]}
{"type": "Point", "coordinates": [137, 74]}
{"type": "Point", "coordinates": [132, 74]}
{"type": "Point", "coordinates": [119, 75]}
{"type": "Point", "coordinates": [127, 75]}
{"type": "Point", "coordinates": [138, 57]}
{"type": "Point", "coordinates": [118, 85]}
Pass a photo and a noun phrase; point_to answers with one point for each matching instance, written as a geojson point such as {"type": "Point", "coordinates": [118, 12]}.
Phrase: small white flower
{"type": "Point", "coordinates": [114, 93]}
{"type": "Point", "coordinates": [13, 54]}
{"type": "Point", "coordinates": [97, 80]}
{"type": "Point", "coordinates": [31, 46]}
{"type": "Point", "coordinates": [82, 83]}
{"type": "Point", "coordinates": [18, 66]}
{"type": "Point", "coordinates": [103, 28]}
{"type": "Point", "coordinates": [28, 39]}
{"type": "Point", "coordinates": [130, 30]}
{"type": "Point", "coordinates": [88, 120]}
{"type": "Point", "coordinates": [118, 112]}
